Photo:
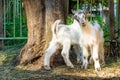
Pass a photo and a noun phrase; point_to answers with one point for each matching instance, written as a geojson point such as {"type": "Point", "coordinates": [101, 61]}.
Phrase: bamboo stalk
{"type": "Point", "coordinates": [14, 17]}
{"type": "Point", "coordinates": [20, 18]}
{"type": "Point", "coordinates": [77, 4]}
{"type": "Point", "coordinates": [4, 19]}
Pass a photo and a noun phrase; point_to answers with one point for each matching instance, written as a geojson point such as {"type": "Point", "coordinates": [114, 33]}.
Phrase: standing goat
{"type": "Point", "coordinates": [92, 40]}
{"type": "Point", "coordinates": [65, 35]}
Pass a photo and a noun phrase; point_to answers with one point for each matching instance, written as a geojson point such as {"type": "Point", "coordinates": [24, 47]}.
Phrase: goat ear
{"type": "Point", "coordinates": [73, 11]}
{"type": "Point", "coordinates": [87, 10]}
{"type": "Point", "coordinates": [74, 17]}
{"type": "Point", "coordinates": [87, 13]}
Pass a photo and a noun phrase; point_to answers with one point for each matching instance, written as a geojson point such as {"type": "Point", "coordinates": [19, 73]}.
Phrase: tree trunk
{"type": "Point", "coordinates": [40, 16]}
{"type": "Point", "coordinates": [111, 19]}
{"type": "Point", "coordinates": [1, 25]}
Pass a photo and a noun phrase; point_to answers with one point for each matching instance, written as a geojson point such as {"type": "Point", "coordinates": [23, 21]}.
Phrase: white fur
{"type": "Point", "coordinates": [65, 35]}
{"type": "Point", "coordinates": [82, 33]}
{"type": "Point", "coordinates": [93, 39]}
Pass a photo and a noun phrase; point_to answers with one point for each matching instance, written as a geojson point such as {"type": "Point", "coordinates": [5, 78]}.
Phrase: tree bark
{"type": "Point", "coordinates": [111, 19]}
{"type": "Point", "coordinates": [1, 25]}
{"type": "Point", "coordinates": [40, 16]}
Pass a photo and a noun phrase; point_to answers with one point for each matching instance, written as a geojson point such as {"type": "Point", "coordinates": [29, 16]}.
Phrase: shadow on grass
{"type": "Point", "coordinates": [111, 61]}
{"type": "Point", "coordinates": [10, 72]}
{"type": "Point", "coordinates": [18, 74]}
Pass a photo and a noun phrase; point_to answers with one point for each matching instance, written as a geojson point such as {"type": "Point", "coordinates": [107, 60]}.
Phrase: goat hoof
{"type": "Point", "coordinates": [83, 67]}
{"type": "Point", "coordinates": [71, 66]}
{"type": "Point", "coordinates": [98, 69]}
{"type": "Point", "coordinates": [47, 67]}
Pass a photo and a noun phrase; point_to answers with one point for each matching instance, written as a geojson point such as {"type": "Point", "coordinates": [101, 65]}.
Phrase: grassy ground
{"type": "Point", "coordinates": [111, 71]}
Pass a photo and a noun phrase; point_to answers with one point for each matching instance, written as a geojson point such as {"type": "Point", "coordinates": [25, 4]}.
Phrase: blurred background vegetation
{"type": "Point", "coordinates": [99, 10]}
{"type": "Point", "coordinates": [14, 23]}
{"type": "Point", "coordinates": [15, 26]}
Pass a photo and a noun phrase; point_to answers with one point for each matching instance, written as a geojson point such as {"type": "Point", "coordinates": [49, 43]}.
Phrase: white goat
{"type": "Point", "coordinates": [92, 40]}
{"type": "Point", "coordinates": [65, 35]}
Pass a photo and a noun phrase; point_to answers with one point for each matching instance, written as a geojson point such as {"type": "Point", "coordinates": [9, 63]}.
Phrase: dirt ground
{"type": "Point", "coordinates": [111, 71]}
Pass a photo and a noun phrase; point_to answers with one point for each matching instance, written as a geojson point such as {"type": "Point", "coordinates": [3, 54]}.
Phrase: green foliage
{"type": "Point", "coordinates": [115, 1]}
{"type": "Point", "coordinates": [69, 20]}
{"type": "Point", "coordinates": [93, 3]}
{"type": "Point", "coordinates": [14, 22]}
{"type": "Point", "coordinates": [103, 25]}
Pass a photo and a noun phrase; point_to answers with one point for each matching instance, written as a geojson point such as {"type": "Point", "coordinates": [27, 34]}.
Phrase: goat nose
{"type": "Point", "coordinates": [83, 24]}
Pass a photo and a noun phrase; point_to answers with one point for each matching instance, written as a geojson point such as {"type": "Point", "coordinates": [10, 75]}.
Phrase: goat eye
{"type": "Point", "coordinates": [75, 16]}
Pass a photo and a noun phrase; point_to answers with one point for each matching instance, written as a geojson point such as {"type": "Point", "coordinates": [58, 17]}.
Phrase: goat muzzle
{"type": "Point", "coordinates": [83, 24]}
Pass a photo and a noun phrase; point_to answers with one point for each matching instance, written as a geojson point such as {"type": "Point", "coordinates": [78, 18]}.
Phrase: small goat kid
{"type": "Point", "coordinates": [92, 40]}
{"type": "Point", "coordinates": [65, 35]}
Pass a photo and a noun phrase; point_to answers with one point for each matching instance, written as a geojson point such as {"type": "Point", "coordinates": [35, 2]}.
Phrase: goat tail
{"type": "Point", "coordinates": [55, 27]}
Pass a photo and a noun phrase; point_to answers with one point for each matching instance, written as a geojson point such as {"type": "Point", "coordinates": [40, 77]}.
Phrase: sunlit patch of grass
{"type": "Point", "coordinates": [2, 58]}
{"type": "Point", "coordinates": [110, 70]}
{"type": "Point", "coordinates": [21, 67]}
{"type": "Point", "coordinates": [77, 71]}
{"type": "Point", "coordinates": [7, 55]}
